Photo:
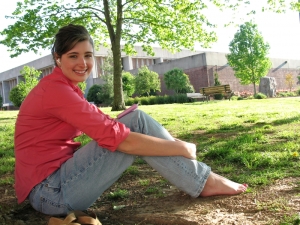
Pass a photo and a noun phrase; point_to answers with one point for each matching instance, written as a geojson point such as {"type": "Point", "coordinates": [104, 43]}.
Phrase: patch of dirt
{"type": "Point", "coordinates": [158, 203]}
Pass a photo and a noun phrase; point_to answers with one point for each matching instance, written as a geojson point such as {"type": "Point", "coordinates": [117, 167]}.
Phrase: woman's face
{"type": "Point", "coordinates": [77, 63]}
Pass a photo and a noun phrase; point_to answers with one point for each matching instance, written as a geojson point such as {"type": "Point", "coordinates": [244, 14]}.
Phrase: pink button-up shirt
{"type": "Point", "coordinates": [51, 116]}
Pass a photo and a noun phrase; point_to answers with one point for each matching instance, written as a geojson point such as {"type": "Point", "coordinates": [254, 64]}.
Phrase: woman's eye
{"type": "Point", "coordinates": [73, 56]}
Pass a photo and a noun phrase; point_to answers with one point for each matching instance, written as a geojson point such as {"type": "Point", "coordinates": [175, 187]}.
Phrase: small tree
{"type": "Point", "coordinates": [216, 77]}
{"type": "Point", "coordinates": [107, 89]}
{"type": "Point", "coordinates": [82, 86]}
{"type": "Point", "coordinates": [128, 83]}
{"type": "Point", "coordinates": [178, 81]}
{"type": "Point", "coordinates": [16, 96]}
{"type": "Point", "coordinates": [217, 83]}
{"type": "Point", "coordinates": [21, 90]}
{"type": "Point", "coordinates": [146, 80]}
{"type": "Point", "coordinates": [289, 80]}
{"type": "Point", "coordinates": [248, 55]}
{"type": "Point", "coordinates": [189, 88]}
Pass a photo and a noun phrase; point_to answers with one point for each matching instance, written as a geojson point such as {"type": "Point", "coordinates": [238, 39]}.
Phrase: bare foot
{"type": "Point", "coordinates": [218, 185]}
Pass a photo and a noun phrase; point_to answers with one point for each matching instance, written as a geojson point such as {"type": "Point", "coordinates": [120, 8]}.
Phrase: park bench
{"type": "Point", "coordinates": [196, 96]}
{"type": "Point", "coordinates": [220, 89]}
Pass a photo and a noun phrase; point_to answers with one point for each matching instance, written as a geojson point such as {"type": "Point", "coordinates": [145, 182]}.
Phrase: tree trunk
{"type": "Point", "coordinates": [118, 103]}
{"type": "Point", "coordinates": [115, 33]}
{"type": "Point", "coordinates": [253, 77]}
{"type": "Point", "coordinates": [254, 86]}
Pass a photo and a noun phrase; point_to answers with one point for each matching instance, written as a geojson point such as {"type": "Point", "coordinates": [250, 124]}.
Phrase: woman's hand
{"type": "Point", "coordinates": [191, 149]}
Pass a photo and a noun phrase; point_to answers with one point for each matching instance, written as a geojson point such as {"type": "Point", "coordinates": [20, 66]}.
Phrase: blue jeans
{"type": "Point", "coordinates": [84, 177]}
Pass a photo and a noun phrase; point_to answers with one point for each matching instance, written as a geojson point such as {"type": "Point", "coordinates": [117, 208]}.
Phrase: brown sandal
{"type": "Point", "coordinates": [76, 218]}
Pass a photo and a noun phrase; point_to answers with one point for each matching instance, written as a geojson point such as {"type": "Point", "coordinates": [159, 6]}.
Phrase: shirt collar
{"type": "Point", "coordinates": [58, 71]}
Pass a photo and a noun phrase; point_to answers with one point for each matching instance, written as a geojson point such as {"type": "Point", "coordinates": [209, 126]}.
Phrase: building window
{"type": "Point", "coordinates": [99, 66]}
{"type": "Point", "coordinates": [140, 62]}
{"type": "Point", "coordinates": [46, 71]}
{"type": "Point", "coordinates": [12, 83]}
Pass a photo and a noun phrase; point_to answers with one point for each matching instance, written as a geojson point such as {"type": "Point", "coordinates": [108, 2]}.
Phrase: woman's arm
{"type": "Point", "coordinates": [144, 145]}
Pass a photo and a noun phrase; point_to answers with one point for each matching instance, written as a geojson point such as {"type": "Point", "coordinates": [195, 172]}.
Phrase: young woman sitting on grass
{"type": "Point", "coordinates": [58, 176]}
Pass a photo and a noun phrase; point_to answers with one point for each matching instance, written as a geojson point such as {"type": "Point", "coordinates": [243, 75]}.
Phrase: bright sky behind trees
{"type": "Point", "coordinates": [281, 31]}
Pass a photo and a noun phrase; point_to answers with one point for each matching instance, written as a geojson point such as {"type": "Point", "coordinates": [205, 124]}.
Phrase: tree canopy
{"type": "Point", "coordinates": [146, 81]}
{"type": "Point", "coordinates": [128, 83]}
{"type": "Point", "coordinates": [18, 93]}
{"type": "Point", "coordinates": [178, 81]}
{"type": "Point", "coordinates": [248, 55]}
{"type": "Point", "coordinates": [172, 24]}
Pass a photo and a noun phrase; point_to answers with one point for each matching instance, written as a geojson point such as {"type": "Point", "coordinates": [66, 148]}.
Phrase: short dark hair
{"type": "Point", "coordinates": [67, 37]}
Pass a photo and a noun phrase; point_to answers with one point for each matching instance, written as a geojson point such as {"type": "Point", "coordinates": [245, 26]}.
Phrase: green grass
{"type": "Point", "coordinates": [252, 141]}
{"type": "Point", "coordinates": [133, 170]}
{"type": "Point", "coordinates": [291, 220]}
{"type": "Point", "coordinates": [118, 194]}
{"type": "Point", "coordinates": [7, 160]}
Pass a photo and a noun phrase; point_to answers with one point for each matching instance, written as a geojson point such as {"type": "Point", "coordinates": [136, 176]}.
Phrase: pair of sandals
{"type": "Point", "coordinates": [76, 218]}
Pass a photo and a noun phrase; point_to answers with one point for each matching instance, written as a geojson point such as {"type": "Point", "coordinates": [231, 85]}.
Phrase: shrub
{"type": "Point", "coordinates": [129, 102]}
{"type": "Point", "coordinates": [218, 96]}
{"type": "Point", "coordinates": [21, 90]}
{"type": "Point", "coordinates": [292, 94]}
{"type": "Point", "coordinates": [128, 83]}
{"type": "Point", "coordinates": [16, 96]}
{"type": "Point", "coordinates": [240, 98]}
{"type": "Point", "coordinates": [152, 100]}
{"type": "Point", "coordinates": [145, 101]}
{"type": "Point", "coordinates": [260, 96]}
{"type": "Point", "coordinates": [169, 99]}
{"type": "Point", "coordinates": [160, 100]}
{"type": "Point", "coordinates": [181, 98]}
{"type": "Point", "coordinates": [137, 100]}
{"type": "Point", "coordinates": [1, 101]}
{"type": "Point", "coordinates": [151, 93]}
{"type": "Point", "coordinates": [285, 93]}
{"type": "Point", "coordinates": [105, 95]}
{"type": "Point", "coordinates": [282, 94]}
{"type": "Point", "coordinates": [189, 88]}
{"type": "Point", "coordinates": [92, 94]}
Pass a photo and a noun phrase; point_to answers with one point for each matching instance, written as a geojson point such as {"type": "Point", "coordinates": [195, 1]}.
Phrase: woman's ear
{"type": "Point", "coordinates": [57, 58]}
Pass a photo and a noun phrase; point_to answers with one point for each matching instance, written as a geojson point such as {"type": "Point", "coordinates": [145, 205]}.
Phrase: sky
{"type": "Point", "coordinates": [281, 31]}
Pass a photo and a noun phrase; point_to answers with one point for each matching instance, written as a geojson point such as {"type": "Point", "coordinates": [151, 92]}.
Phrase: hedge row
{"type": "Point", "coordinates": [156, 100]}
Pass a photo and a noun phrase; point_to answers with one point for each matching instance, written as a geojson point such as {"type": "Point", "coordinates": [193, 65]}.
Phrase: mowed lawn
{"type": "Point", "coordinates": [250, 141]}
